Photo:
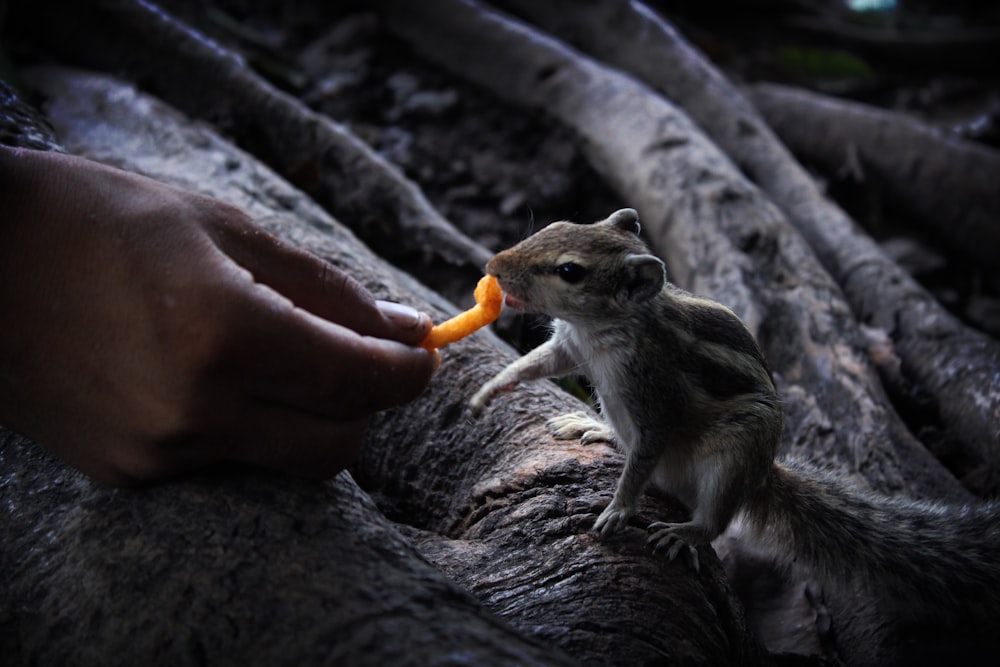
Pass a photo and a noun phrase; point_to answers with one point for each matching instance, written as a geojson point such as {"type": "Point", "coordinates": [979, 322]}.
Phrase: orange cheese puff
{"type": "Point", "coordinates": [489, 300]}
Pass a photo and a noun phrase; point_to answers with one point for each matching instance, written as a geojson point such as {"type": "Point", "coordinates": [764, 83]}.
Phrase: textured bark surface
{"type": "Point", "coordinates": [499, 498]}
{"type": "Point", "coordinates": [21, 124]}
{"type": "Point", "coordinates": [313, 152]}
{"type": "Point", "coordinates": [955, 370]}
{"type": "Point", "coordinates": [238, 570]}
{"type": "Point", "coordinates": [917, 165]}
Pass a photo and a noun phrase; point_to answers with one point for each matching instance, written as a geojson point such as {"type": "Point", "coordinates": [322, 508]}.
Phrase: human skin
{"type": "Point", "coordinates": [147, 330]}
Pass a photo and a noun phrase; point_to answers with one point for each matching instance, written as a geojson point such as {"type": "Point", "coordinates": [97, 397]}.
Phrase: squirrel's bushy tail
{"type": "Point", "coordinates": [932, 559]}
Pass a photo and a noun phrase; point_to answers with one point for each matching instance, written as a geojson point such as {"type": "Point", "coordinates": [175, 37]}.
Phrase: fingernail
{"type": "Point", "coordinates": [402, 316]}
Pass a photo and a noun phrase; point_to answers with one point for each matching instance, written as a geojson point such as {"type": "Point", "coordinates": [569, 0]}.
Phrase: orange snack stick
{"type": "Point", "coordinates": [489, 300]}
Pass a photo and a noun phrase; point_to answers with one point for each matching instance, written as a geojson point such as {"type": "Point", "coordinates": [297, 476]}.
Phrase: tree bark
{"type": "Point", "coordinates": [955, 367]}
{"type": "Point", "coordinates": [514, 515]}
{"type": "Point", "coordinates": [947, 186]}
{"type": "Point", "coordinates": [315, 153]}
{"type": "Point", "coordinates": [21, 125]}
{"type": "Point", "coordinates": [242, 569]}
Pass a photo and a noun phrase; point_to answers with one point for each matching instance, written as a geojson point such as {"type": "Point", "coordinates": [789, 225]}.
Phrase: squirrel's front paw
{"type": "Point", "coordinates": [580, 425]}
{"type": "Point", "coordinates": [612, 519]}
{"type": "Point", "coordinates": [485, 394]}
{"type": "Point", "coordinates": [675, 538]}
{"type": "Point", "coordinates": [477, 403]}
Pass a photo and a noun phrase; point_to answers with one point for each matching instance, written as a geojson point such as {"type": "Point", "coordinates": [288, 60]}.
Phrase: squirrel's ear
{"type": "Point", "coordinates": [626, 219]}
{"type": "Point", "coordinates": [646, 275]}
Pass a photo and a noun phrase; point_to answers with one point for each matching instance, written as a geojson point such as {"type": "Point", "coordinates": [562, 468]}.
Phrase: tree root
{"type": "Point", "coordinates": [955, 367]}
{"type": "Point", "coordinates": [316, 154]}
{"type": "Point", "coordinates": [949, 186]}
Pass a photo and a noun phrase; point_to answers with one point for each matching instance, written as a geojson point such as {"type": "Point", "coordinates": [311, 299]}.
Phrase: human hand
{"type": "Point", "coordinates": [148, 330]}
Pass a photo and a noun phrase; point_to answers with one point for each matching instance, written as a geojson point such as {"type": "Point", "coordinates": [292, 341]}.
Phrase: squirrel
{"type": "Point", "coordinates": [687, 395]}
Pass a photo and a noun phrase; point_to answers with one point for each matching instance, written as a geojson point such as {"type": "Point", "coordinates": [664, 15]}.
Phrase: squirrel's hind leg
{"type": "Point", "coordinates": [723, 477]}
{"type": "Point", "coordinates": [675, 538]}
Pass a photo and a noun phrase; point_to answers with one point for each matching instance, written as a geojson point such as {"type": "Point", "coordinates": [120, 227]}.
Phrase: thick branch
{"type": "Point", "coordinates": [949, 186]}
{"type": "Point", "coordinates": [239, 570]}
{"type": "Point", "coordinates": [956, 366]}
{"type": "Point", "coordinates": [313, 152]}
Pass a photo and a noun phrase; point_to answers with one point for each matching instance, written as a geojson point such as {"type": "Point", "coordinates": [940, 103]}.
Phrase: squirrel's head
{"type": "Point", "coordinates": [577, 272]}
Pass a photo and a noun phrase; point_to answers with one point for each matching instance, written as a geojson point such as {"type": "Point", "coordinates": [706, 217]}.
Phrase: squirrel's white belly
{"type": "Point", "coordinates": [604, 366]}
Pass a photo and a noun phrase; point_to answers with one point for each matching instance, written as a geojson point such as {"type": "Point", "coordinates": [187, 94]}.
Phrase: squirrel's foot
{"type": "Point", "coordinates": [580, 425]}
{"type": "Point", "coordinates": [612, 519]}
{"type": "Point", "coordinates": [675, 538]}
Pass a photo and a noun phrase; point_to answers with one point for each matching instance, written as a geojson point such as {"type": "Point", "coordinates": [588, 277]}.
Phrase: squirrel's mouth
{"type": "Point", "coordinates": [509, 299]}
{"type": "Point", "coordinates": [513, 301]}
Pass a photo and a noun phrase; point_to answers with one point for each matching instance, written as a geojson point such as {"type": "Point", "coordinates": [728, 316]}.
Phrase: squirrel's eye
{"type": "Point", "coordinates": [571, 272]}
